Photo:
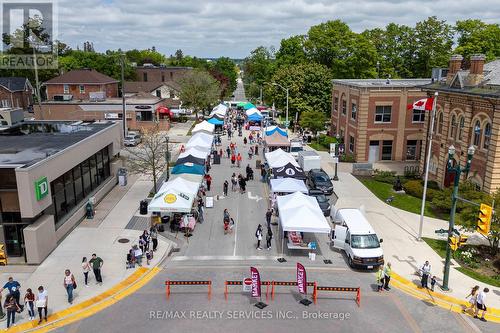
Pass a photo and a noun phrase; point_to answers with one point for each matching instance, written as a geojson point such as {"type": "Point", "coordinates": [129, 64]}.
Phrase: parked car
{"type": "Point", "coordinates": [132, 140]}
{"type": "Point", "coordinates": [318, 179]}
{"type": "Point", "coordinates": [323, 201]}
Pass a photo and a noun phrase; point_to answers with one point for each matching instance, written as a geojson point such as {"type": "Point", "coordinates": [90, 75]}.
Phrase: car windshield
{"type": "Point", "coordinates": [364, 241]}
{"type": "Point", "coordinates": [320, 178]}
{"type": "Point", "coordinates": [129, 137]}
{"type": "Point", "coordinates": [296, 149]}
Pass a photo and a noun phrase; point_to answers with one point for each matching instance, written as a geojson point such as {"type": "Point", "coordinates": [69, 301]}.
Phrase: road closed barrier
{"type": "Point", "coordinates": [169, 283]}
{"type": "Point", "coordinates": [246, 285]}
{"type": "Point", "coordinates": [337, 289]}
{"type": "Point", "coordinates": [287, 283]}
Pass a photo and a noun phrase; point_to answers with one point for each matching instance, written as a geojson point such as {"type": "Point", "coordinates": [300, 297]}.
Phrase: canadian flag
{"type": "Point", "coordinates": [422, 104]}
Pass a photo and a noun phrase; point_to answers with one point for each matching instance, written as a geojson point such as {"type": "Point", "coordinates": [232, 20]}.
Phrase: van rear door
{"type": "Point", "coordinates": [339, 237]}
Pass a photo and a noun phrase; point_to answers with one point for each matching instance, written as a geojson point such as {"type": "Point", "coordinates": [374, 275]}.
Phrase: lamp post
{"type": "Point", "coordinates": [287, 90]}
{"type": "Point", "coordinates": [457, 170]}
{"type": "Point", "coordinates": [167, 158]}
{"type": "Point", "coordinates": [336, 177]}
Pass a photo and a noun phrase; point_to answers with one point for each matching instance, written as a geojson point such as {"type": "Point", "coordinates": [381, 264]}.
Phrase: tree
{"type": "Point", "coordinates": [258, 67]}
{"type": "Point", "coordinates": [149, 159]}
{"type": "Point", "coordinates": [224, 71]}
{"type": "Point", "coordinates": [313, 120]}
{"type": "Point", "coordinates": [198, 90]}
{"type": "Point", "coordinates": [475, 36]}
{"type": "Point", "coordinates": [291, 51]}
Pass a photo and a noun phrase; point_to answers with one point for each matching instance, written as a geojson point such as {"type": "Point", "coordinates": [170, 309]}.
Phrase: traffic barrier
{"type": "Point", "coordinates": [287, 283]}
{"type": "Point", "coordinates": [208, 283]}
{"type": "Point", "coordinates": [240, 283]}
{"type": "Point", "coordinates": [345, 289]}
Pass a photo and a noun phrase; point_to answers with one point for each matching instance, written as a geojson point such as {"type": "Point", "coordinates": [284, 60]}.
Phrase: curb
{"type": "Point", "coordinates": [444, 301]}
{"type": "Point", "coordinates": [93, 305]}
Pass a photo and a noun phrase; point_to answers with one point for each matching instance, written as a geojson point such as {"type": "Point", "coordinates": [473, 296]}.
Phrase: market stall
{"type": "Point", "coordinates": [288, 185]}
{"type": "Point", "coordinates": [197, 152]}
{"type": "Point", "coordinates": [289, 170]}
{"type": "Point", "coordinates": [203, 127]}
{"type": "Point", "coordinates": [202, 140]}
{"type": "Point", "coordinates": [270, 130]}
{"type": "Point", "coordinates": [190, 168]}
{"type": "Point", "coordinates": [275, 141]}
{"type": "Point", "coordinates": [279, 158]}
{"type": "Point", "coordinates": [190, 159]}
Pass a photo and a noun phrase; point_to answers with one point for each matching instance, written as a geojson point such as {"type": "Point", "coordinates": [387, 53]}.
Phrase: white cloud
{"type": "Point", "coordinates": [211, 28]}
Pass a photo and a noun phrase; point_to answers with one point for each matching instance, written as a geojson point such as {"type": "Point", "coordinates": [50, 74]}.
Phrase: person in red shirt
{"type": "Point", "coordinates": [233, 159]}
{"type": "Point", "coordinates": [238, 159]}
{"type": "Point", "coordinates": [208, 179]}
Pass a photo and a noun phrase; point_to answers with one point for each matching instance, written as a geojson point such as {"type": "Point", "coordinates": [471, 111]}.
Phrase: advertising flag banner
{"type": "Point", "coordinates": [301, 279]}
{"type": "Point", "coordinates": [255, 276]}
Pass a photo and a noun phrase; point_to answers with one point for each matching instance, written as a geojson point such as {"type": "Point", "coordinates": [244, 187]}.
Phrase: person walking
{"type": "Point", "coordinates": [380, 278]}
{"type": "Point", "coordinates": [387, 276]}
{"type": "Point", "coordinates": [238, 160]}
{"type": "Point", "coordinates": [245, 140]}
{"type": "Point", "coordinates": [471, 298]}
{"type": "Point", "coordinates": [228, 151]}
{"type": "Point", "coordinates": [481, 304]}
{"type": "Point", "coordinates": [233, 159]}
{"type": "Point", "coordinates": [250, 153]}
{"type": "Point", "coordinates": [153, 233]}
{"type": "Point", "coordinates": [226, 220]}
{"type": "Point", "coordinates": [69, 284]}
{"type": "Point", "coordinates": [13, 287]}
{"type": "Point", "coordinates": [249, 172]}
{"type": "Point", "coordinates": [97, 264]}
{"type": "Point", "coordinates": [86, 270]}
{"type": "Point", "coordinates": [234, 182]}
{"type": "Point", "coordinates": [269, 237]}
{"type": "Point", "coordinates": [256, 150]}
{"type": "Point", "coordinates": [11, 307]}
{"type": "Point", "coordinates": [258, 235]}
{"type": "Point", "coordinates": [29, 299]}
{"type": "Point", "coordinates": [225, 187]}
{"type": "Point", "coordinates": [138, 255]}
{"type": "Point", "coordinates": [426, 270]}
{"type": "Point", "coordinates": [243, 184]}
{"type": "Point", "coordinates": [262, 173]}
{"type": "Point", "coordinates": [41, 302]}
{"type": "Point", "coordinates": [208, 178]}
{"type": "Point", "coordinates": [269, 215]}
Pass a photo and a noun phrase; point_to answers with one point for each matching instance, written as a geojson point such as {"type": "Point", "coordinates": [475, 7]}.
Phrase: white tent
{"type": "Point", "coordinates": [252, 111]}
{"type": "Point", "coordinates": [288, 185]}
{"type": "Point", "coordinates": [198, 152]}
{"type": "Point", "coordinates": [175, 196]}
{"type": "Point", "coordinates": [220, 110]}
{"type": "Point", "coordinates": [301, 213]}
{"type": "Point", "coordinates": [188, 176]}
{"type": "Point", "coordinates": [204, 127]}
{"type": "Point", "coordinates": [279, 158]}
{"type": "Point", "coordinates": [200, 140]}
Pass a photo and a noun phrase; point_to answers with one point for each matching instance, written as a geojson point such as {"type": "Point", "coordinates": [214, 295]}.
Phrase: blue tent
{"type": "Point", "coordinates": [194, 169]}
{"type": "Point", "coordinates": [255, 117]}
{"type": "Point", "coordinates": [248, 106]}
{"type": "Point", "coordinates": [277, 129]}
{"type": "Point", "coordinates": [215, 121]}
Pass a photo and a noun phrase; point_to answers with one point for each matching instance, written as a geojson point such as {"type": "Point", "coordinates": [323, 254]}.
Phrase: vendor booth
{"type": "Point", "coordinates": [289, 171]}
{"type": "Point", "coordinates": [279, 158]}
{"type": "Point", "coordinates": [220, 110]}
{"type": "Point", "coordinates": [190, 159]}
{"type": "Point", "coordinates": [200, 140]}
{"type": "Point", "coordinates": [288, 185]}
{"type": "Point", "coordinates": [248, 106]}
{"type": "Point", "coordinates": [203, 127]}
{"type": "Point", "coordinates": [300, 217]}
{"type": "Point", "coordinates": [270, 130]}
{"type": "Point", "coordinates": [196, 152]}
{"type": "Point", "coordinates": [190, 168]}
{"type": "Point", "coordinates": [275, 141]}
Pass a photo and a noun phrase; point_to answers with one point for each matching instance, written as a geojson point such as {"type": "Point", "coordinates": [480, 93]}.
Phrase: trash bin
{"type": "Point", "coordinates": [143, 207]}
{"type": "Point", "coordinates": [165, 219]}
{"type": "Point", "coordinates": [122, 177]}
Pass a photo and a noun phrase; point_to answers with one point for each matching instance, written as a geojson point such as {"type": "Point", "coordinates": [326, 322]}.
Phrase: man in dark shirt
{"type": "Point", "coordinates": [97, 263]}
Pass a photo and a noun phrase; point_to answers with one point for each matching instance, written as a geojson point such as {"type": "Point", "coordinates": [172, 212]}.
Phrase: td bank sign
{"type": "Point", "coordinates": [41, 188]}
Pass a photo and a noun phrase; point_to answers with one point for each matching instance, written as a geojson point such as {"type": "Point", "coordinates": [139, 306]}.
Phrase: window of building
{"type": "Point", "coordinates": [487, 136]}
{"type": "Point", "coordinates": [383, 113]}
{"type": "Point", "coordinates": [387, 150]}
{"type": "Point", "coordinates": [477, 134]}
{"type": "Point", "coordinates": [461, 125]}
{"type": "Point", "coordinates": [82, 89]}
{"type": "Point", "coordinates": [335, 104]}
{"type": "Point", "coordinates": [453, 127]}
{"type": "Point", "coordinates": [411, 150]}
{"type": "Point", "coordinates": [344, 107]}
{"type": "Point", "coordinates": [351, 144]}
{"type": "Point", "coordinates": [418, 116]}
{"type": "Point", "coordinates": [440, 123]}
{"type": "Point", "coordinates": [354, 110]}
{"type": "Point", "coordinates": [158, 93]}
{"type": "Point", "coordinates": [145, 77]}
{"type": "Point", "coordinates": [66, 88]}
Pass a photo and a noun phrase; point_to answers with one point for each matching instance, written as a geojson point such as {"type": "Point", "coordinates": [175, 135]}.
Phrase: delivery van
{"type": "Point", "coordinates": [354, 235]}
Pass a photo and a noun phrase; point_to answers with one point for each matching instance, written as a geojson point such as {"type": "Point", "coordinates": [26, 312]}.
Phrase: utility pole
{"type": "Point", "coordinates": [37, 83]}
{"type": "Point", "coordinates": [122, 62]}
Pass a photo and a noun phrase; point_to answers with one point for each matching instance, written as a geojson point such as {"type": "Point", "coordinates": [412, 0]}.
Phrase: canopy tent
{"type": "Point", "coordinates": [255, 117]}
{"type": "Point", "coordinates": [215, 121]}
{"type": "Point", "coordinates": [204, 127]}
{"type": "Point", "coordinates": [220, 109]}
{"type": "Point", "coordinates": [280, 158]}
{"type": "Point", "coordinates": [288, 185]}
{"type": "Point", "coordinates": [175, 196]}
{"type": "Point", "coordinates": [189, 177]}
{"type": "Point", "coordinates": [241, 104]}
{"type": "Point", "coordinates": [301, 213]}
{"type": "Point", "coordinates": [197, 152]}
{"type": "Point", "coordinates": [248, 106]}
{"type": "Point", "coordinates": [276, 140]}
{"type": "Point", "coordinates": [216, 116]}
{"type": "Point", "coordinates": [273, 129]}
{"type": "Point", "coordinates": [252, 111]}
{"type": "Point", "coordinates": [289, 171]}
{"type": "Point", "coordinates": [191, 168]}
{"type": "Point", "coordinates": [201, 140]}
{"type": "Point", "coordinates": [190, 159]}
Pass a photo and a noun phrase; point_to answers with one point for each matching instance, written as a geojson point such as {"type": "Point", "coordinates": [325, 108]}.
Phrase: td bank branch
{"type": "Point", "coordinates": [48, 172]}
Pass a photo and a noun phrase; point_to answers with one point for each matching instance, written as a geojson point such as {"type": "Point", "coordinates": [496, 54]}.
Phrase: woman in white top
{"type": "Point", "coordinates": [42, 300]}
{"type": "Point", "coordinates": [69, 284]}
{"type": "Point", "coordinates": [86, 270]}
{"type": "Point", "coordinates": [472, 299]}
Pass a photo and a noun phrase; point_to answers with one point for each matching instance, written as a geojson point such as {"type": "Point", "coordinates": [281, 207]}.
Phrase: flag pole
{"type": "Point", "coordinates": [428, 160]}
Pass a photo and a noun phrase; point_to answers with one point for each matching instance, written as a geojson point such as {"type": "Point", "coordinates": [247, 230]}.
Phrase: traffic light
{"type": "Point", "coordinates": [462, 240]}
{"type": "Point", "coordinates": [454, 242]}
{"type": "Point", "coordinates": [484, 219]}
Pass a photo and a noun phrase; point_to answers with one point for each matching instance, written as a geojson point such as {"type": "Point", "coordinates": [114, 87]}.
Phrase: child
{"type": "Point", "coordinates": [29, 299]}
{"type": "Point", "coordinates": [433, 282]}
{"type": "Point", "coordinates": [149, 256]}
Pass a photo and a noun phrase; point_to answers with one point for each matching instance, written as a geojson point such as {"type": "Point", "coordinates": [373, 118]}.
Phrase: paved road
{"type": "Point", "coordinates": [239, 93]}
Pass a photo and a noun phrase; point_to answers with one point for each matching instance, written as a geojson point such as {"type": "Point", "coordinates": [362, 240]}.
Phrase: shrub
{"type": "Point", "coordinates": [412, 173]}
{"type": "Point", "coordinates": [348, 158]}
{"type": "Point", "coordinates": [388, 177]}
{"type": "Point", "coordinates": [433, 185]}
{"type": "Point", "coordinates": [414, 188]}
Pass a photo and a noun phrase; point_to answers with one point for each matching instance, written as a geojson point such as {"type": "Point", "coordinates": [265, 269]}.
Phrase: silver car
{"type": "Point", "coordinates": [132, 140]}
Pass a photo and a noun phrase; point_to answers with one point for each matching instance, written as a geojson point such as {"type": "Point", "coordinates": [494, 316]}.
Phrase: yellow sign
{"type": "Point", "coordinates": [170, 198]}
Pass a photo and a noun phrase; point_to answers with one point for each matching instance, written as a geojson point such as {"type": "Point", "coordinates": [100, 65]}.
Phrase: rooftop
{"type": "Point", "coordinates": [15, 83]}
{"type": "Point", "coordinates": [138, 98]}
{"type": "Point", "coordinates": [32, 141]}
{"type": "Point", "coordinates": [140, 86]}
{"type": "Point", "coordinates": [163, 67]}
{"type": "Point", "coordinates": [382, 83]}
{"type": "Point", "coordinates": [82, 76]}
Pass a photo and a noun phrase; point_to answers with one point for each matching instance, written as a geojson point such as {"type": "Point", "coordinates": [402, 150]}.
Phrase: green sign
{"type": "Point", "coordinates": [41, 188]}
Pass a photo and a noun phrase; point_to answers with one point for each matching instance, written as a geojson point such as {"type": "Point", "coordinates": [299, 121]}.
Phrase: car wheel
{"type": "Point", "coordinates": [349, 261]}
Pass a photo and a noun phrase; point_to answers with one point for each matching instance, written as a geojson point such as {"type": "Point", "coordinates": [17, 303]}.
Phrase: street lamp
{"type": "Point", "coordinates": [335, 178]}
{"type": "Point", "coordinates": [167, 158]}
{"type": "Point", "coordinates": [457, 170]}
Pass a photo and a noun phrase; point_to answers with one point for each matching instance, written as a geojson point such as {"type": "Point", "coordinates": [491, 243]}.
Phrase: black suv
{"type": "Point", "coordinates": [318, 179]}
{"type": "Point", "coordinates": [323, 201]}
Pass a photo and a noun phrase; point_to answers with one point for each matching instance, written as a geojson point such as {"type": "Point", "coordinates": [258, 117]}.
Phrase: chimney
{"type": "Point", "coordinates": [454, 67]}
{"type": "Point", "coordinates": [476, 75]}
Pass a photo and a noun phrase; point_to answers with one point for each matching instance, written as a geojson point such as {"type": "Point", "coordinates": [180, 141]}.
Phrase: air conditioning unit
{"type": "Point", "coordinates": [97, 96]}
{"type": "Point", "coordinates": [63, 97]}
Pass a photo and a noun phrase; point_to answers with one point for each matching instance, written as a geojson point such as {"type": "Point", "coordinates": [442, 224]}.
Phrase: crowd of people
{"type": "Point", "coordinates": [147, 245]}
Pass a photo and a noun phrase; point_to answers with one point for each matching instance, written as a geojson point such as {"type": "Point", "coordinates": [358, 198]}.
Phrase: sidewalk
{"type": "Point", "coordinates": [399, 230]}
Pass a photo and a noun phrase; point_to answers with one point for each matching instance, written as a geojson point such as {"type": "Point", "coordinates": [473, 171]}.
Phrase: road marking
{"type": "Point", "coordinates": [222, 258]}
{"type": "Point", "coordinates": [406, 315]}
{"type": "Point", "coordinates": [256, 198]}
{"type": "Point", "coordinates": [466, 322]}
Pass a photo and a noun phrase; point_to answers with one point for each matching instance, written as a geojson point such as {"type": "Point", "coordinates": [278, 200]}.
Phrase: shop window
{"type": "Point", "coordinates": [411, 150]}
{"type": "Point", "coordinates": [145, 77]}
{"type": "Point", "coordinates": [477, 134]}
{"type": "Point", "coordinates": [162, 77]}
{"type": "Point", "coordinates": [87, 183]}
{"type": "Point", "coordinates": [93, 171]}
{"type": "Point", "coordinates": [387, 150]}
{"type": "Point", "coordinates": [66, 88]}
{"type": "Point", "coordinates": [383, 113]}
{"type": "Point", "coordinates": [487, 136]}
{"type": "Point", "coordinates": [82, 89]}
{"type": "Point", "coordinates": [78, 181]}
{"type": "Point", "coordinates": [69, 190]}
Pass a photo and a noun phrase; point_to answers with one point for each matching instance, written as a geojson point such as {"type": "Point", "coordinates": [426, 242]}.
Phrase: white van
{"type": "Point", "coordinates": [353, 234]}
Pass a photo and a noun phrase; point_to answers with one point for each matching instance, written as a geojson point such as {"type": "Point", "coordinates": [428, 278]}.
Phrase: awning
{"type": "Point", "coordinates": [276, 140]}
{"type": "Point", "coordinates": [301, 213]}
{"type": "Point", "coordinates": [280, 158]}
{"type": "Point", "coordinates": [248, 106]}
{"type": "Point", "coordinates": [253, 111]}
{"type": "Point", "coordinates": [201, 140]}
{"type": "Point", "coordinates": [288, 185]}
{"type": "Point", "coordinates": [215, 121]}
{"type": "Point", "coordinates": [255, 117]}
{"type": "Point", "coordinates": [273, 129]}
{"type": "Point", "coordinates": [204, 126]}
{"type": "Point", "coordinates": [289, 171]}
{"type": "Point", "coordinates": [190, 159]}
{"type": "Point", "coordinates": [197, 152]}
{"type": "Point", "coordinates": [164, 110]}
{"type": "Point", "coordinates": [175, 196]}
{"type": "Point", "coordinates": [190, 168]}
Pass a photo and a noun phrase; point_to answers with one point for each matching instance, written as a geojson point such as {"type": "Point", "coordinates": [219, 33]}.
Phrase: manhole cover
{"type": "Point", "coordinates": [123, 240]}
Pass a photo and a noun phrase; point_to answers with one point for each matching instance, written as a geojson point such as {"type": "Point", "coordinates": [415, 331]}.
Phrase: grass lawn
{"type": "Point", "coordinates": [192, 126]}
{"type": "Point", "coordinates": [437, 245]}
{"type": "Point", "coordinates": [317, 146]}
{"type": "Point", "coordinates": [401, 201]}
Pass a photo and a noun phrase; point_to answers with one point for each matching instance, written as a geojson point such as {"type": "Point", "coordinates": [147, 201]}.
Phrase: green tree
{"type": "Point", "coordinates": [291, 51]}
{"type": "Point", "coordinates": [224, 70]}
{"type": "Point", "coordinates": [146, 56]}
{"type": "Point", "coordinates": [313, 120]}
{"type": "Point", "coordinates": [198, 90]}
{"type": "Point", "coordinates": [475, 36]}
{"type": "Point", "coordinates": [258, 68]}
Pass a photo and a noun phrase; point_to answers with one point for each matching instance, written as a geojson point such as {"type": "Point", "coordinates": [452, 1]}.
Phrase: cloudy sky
{"type": "Point", "coordinates": [213, 28]}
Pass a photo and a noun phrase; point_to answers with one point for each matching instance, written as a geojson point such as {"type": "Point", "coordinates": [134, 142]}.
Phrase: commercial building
{"type": "Point", "coordinates": [48, 172]}
{"type": "Point", "coordinates": [16, 92]}
{"type": "Point", "coordinates": [372, 119]}
{"type": "Point", "coordinates": [467, 115]}
{"type": "Point", "coordinates": [168, 91]}
{"type": "Point", "coordinates": [151, 73]}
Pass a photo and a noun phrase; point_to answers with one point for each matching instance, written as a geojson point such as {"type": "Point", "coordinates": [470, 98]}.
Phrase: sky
{"type": "Point", "coordinates": [214, 28]}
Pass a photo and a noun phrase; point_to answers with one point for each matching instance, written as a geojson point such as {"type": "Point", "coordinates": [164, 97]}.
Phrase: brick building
{"type": "Point", "coordinates": [79, 84]}
{"type": "Point", "coordinates": [16, 92]}
{"type": "Point", "coordinates": [169, 91]}
{"type": "Point", "coordinates": [150, 73]}
{"type": "Point", "coordinates": [372, 118]}
{"type": "Point", "coordinates": [468, 114]}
